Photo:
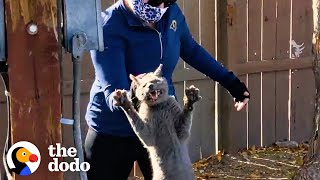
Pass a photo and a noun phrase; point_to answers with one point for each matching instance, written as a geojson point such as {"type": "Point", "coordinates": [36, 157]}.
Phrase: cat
{"type": "Point", "coordinates": [161, 124]}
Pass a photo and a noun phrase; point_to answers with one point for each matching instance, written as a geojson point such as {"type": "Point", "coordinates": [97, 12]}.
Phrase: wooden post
{"type": "Point", "coordinates": [233, 124]}
{"type": "Point", "coordinates": [34, 75]}
{"type": "Point", "coordinates": [311, 166]}
{"type": "Point", "coordinates": [314, 143]}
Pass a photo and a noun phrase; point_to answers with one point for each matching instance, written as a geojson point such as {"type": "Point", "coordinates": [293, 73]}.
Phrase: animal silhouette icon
{"type": "Point", "coordinates": [297, 49]}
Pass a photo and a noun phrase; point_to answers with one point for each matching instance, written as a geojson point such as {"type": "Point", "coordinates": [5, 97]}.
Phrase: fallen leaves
{"type": "Point", "coordinates": [254, 176]}
{"type": "Point", "coordinates": [273, 162]}
{"type": "Point", "coordinates": [245, 155]}
{"type": "Point", "coordinates": [219, 155]}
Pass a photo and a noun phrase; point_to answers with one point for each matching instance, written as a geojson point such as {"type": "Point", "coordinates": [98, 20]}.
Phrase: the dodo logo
{"type": "Point", "coordinates": [23, 158]}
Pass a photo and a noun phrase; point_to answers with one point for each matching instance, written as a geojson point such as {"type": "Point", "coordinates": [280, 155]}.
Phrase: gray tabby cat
{"type": "Point", "coordinates": [161, 124]}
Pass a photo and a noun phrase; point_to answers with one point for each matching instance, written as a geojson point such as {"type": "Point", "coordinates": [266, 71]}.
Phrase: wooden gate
{"type": "Point", "coordinates": [260, 41]}
{"type": "Point", "coordinates": [263, 48]}
{"type": "Point", "coordinates": [267, 43]}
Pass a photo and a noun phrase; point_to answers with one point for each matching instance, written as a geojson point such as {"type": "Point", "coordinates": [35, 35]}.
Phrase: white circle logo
{"type": "Point", "coordinates": [23, 158]}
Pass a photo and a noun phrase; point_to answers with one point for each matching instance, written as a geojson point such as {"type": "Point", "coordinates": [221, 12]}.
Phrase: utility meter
{"type": "Point", "coordinates": [82, 17]}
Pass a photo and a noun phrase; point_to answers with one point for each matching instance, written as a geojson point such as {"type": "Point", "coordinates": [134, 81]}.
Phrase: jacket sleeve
{"type": "Point", "coordinates": [197, 57]}
{"type": "Point", "coordinates": [109, 65]}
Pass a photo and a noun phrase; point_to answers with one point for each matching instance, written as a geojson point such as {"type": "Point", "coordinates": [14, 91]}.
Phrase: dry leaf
{"type": "Point", "coordinates": [253, 149]}
{"type": "Point", "coordinates": [252, 175]}
{"type": "Point", "coordinates": [219, 155]}
{"type": "Point", "coordinates": [293, 162]}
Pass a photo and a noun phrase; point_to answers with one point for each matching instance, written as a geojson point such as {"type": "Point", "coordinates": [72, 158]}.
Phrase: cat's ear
{"type": "Point", "coordinates": [134, 79]}
{"type": "Point", "coordinates": [158, 71]}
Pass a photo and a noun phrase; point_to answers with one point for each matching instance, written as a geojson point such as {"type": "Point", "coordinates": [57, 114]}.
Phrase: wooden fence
{"type": "Point", "coordinates": [261, 46]}
{"type": "Point", "coordinates": [257, 40]}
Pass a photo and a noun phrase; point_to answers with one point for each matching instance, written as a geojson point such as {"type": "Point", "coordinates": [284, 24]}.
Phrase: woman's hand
{"type": "Point", "coordinates": [240, 105]}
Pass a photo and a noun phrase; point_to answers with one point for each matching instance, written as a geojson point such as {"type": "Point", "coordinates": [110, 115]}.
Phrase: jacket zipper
{"type": "Point", "coordinates": [160, 39]}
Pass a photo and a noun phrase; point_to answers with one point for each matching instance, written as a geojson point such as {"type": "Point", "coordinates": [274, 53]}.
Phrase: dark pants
{"type": "Point", "coordinates": [112, 158]}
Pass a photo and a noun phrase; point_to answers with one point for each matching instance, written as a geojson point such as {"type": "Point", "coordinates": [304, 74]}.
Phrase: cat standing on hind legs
{"type": "Point", "coordinates": [161, 124]}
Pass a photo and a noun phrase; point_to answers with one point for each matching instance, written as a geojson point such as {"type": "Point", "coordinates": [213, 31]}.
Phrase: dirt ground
{"type": "Point", "coordinates": [255, 163]}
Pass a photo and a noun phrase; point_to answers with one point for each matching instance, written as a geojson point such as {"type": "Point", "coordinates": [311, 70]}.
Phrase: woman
{"type": "Point", "coordinates": [138, 36]}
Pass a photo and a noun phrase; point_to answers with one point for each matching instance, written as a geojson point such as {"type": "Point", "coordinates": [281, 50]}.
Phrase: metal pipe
{"type": "Point", "coordinates": [76, 113]}
{"type": "Point", "coordinates": [78, 41]}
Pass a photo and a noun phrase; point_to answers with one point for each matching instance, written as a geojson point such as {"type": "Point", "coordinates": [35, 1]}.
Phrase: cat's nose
{"type": "Point", "coordinates": [151, 86]}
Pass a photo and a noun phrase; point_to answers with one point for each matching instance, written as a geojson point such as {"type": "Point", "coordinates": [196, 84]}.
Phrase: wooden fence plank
{"type": "Point", "coordinates": [303, 84]}
{"type": "Point", "coordinates": [282, 78]}
{"type": "Point", "coordinates": [181, 4]}
{"type": "Point", "coordinates": [233, 123]}
{"type": "Point", "coordinates": [268, 79]}
{"type": "Point", "coordinates": [34, 75]}
{"type": "Point", "coordinates": [3, 97]}
{"type": "Point", "coordinates": [271, 65]}
{"type": "Point", "coordinates": [201, 143]}
{"type": "Point", "coordinates": [191, 11]}
{"type": "Point", "coordinates": [180, 64]}
{"type": "Point", "coordinates": [179, 87]}
{"type": "Point", "coordinates": [208, 41]}
{"type": "Point", "coordinates": [208, 26]}
{"type": "Point", "coordinates": [254, 80]}
{"type": "Point", "coordinates": [86, 67]}
{"type": "Point", "coordinates": [106, 3]}
{"type": "Point", "coordinates": [3, 134]}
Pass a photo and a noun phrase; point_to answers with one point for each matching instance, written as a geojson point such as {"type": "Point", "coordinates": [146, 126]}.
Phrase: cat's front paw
{"type": "Point", "coordinates": [192, 94]}
{"type": "Point", "coordinates": [121, 99]}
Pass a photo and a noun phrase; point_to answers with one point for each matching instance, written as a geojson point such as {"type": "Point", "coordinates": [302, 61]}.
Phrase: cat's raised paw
{"type": "Point", "coordinates": [193, 94]}
{"type": "Point", "coordinates": [121, 98]}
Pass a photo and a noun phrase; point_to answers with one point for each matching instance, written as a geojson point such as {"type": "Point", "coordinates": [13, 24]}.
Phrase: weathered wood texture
{"type": "Point", "coordinates": [3, 133]}
{"type": "Point", "coordinates": [311, 166]}
{"type": "Point", "coordinates": [34, 73]}
{"type": "Point", "coordinates": [234, 124]}
{"type": "Point", "coordinates": [260, 49]}
{"type": "Point", "coordinates": [268, 78]}
{"type": "Point", "coordinates": [200, 17]}
{"type": "Point", "coordinates": [252, 38]}
{"type": "Point", "coordinates": [302, 81]}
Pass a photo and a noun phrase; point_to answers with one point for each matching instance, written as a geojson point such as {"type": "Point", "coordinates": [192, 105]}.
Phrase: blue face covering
{"type": "Point", "coordinates": [146, 12]}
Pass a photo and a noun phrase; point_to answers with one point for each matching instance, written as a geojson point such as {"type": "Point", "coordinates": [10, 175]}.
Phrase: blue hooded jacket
{"type": "Point", "coordinates": [132, 48]}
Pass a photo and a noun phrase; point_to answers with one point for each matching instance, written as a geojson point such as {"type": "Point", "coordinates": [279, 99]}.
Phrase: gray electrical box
{"type": "Point", "coordinates": [83, 16]}
{"type": "Point", "coordinates": [2, 33]}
